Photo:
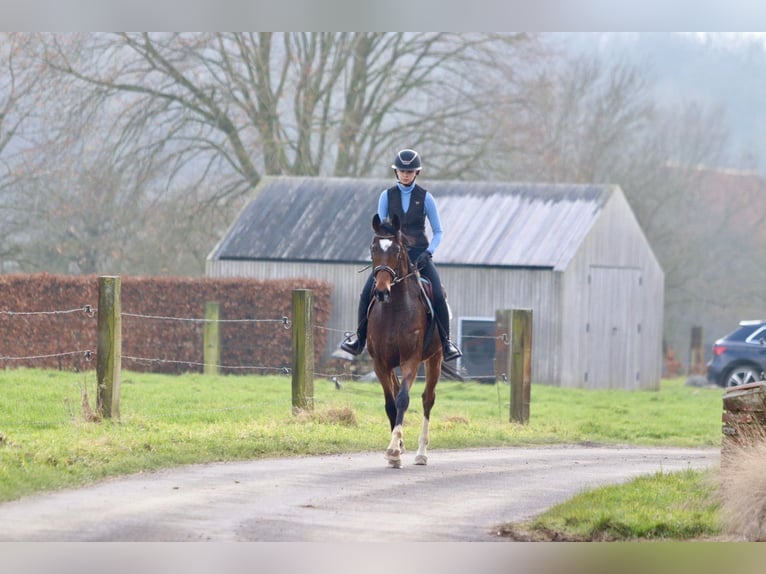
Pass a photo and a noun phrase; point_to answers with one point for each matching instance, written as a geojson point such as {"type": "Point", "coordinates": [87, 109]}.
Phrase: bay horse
{"type": "Point", "coordinates": [400, 334]}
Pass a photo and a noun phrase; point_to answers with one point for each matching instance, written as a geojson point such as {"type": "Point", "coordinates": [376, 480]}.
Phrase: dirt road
{"type": "Point", "coordinates": [462, 495]}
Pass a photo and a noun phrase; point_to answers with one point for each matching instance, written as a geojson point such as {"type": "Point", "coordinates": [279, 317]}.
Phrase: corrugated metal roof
{"type": "Point", "coordinates": [497, 224]}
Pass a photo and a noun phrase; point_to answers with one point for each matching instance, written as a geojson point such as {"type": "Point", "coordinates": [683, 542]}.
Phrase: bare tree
{"type": "Point", "coordinates": [588, 121]}
{"type": "Point", "coordinates": [20, 96]}
{"type": "Point", "coordinates": [142, 146]}
{"type": "Point", "coordinates": [573, 121]}
{"type": "Point", "coordinates": [242, 105]}
{"type": "Point", "coordinates": [81, 196]}
{"type": "Point", "coordinates": [85, 209]}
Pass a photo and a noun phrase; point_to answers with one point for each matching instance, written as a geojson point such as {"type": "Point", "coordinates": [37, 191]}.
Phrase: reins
{"type": "Point", "coordinates": [410, 274]}
{"type": "Point", "coordinates": [394, 274]}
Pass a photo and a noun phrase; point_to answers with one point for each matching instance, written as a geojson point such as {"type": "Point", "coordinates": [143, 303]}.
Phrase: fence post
{"type": "Point", "coordinates": [521, 365]}
{"type": "Point", "coordinates": [697, 353]}
{"type": "Point", "coordinates": [303, 350]}
{"type": "Point", "coordinates": [212, 339]}
{"type": "Point", "coordinates": [109, 346]}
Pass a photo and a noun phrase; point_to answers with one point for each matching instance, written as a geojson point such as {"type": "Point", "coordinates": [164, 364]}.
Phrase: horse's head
{"type": "Point", "coordinates": [390, 262]}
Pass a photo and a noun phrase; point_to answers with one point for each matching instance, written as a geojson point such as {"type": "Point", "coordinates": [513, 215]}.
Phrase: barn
{"type": "Point", "coordinates": [574, 254]}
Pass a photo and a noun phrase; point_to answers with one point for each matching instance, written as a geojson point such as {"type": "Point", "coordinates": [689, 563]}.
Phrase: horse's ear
{"type": "Point", "coordinates": [395, 222]}
{"type": "Point", "coordinates": [376, 222]}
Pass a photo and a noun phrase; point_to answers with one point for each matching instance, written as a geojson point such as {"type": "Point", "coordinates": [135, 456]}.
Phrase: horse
{"type": "Point", "coordinates": [400, 334]}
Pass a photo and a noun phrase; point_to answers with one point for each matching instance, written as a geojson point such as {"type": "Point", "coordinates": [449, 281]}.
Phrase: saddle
{"type": "Point", "coordinates": [427, 291]}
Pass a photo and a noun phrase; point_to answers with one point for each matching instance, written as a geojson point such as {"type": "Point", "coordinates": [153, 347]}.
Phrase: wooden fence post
{"type": "Point", "coordinates": [109, 347]}
{"type": "Point", "coordinates": [521, 365]}
{"type": "Point", "coordinates": [212, 339]}
{"type": "Point", "coordinates": [697, 364]}
{"type": "Point", "coordinates": [303, 350]}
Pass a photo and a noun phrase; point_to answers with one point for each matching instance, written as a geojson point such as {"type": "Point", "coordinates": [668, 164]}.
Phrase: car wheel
{"type": "Point", "coordinates": [742, 375]}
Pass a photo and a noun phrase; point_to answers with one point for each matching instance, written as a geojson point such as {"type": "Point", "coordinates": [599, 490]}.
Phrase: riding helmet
{"type": "Point", "coordinates": [407, 160]}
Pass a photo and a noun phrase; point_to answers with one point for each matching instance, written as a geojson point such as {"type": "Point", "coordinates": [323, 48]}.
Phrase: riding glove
{"type": "Point", "coordinates": [423, 259]}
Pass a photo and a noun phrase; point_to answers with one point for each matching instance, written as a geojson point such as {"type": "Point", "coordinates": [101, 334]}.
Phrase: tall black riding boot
{"type": "Point", "coordinates": [450, 350]}
{"type": "Point", "coordinates": [354, 343]}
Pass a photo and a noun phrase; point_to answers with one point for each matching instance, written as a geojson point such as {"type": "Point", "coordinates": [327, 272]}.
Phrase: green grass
{"type": "Point", "coordinates": [48, 440]}
{"type": "Point", "coordinates": [663, 506]}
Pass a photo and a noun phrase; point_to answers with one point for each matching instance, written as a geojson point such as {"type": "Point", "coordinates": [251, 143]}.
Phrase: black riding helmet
{"type": "Point", "coordinates": [407, 160]}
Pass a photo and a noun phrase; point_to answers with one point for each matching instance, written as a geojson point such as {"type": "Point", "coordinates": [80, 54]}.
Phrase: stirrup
{"type": "Point", "coordinates": [352, 344]}
{"type": "Point", "coordinates": [450, 351]}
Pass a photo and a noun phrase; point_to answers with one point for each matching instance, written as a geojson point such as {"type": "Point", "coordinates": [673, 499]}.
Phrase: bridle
{"type": "Point", "coordinates": [391, 271]}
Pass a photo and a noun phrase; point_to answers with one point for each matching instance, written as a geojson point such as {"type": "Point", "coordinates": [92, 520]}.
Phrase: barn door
{"type": "Point", "coordinates": [614, 328]}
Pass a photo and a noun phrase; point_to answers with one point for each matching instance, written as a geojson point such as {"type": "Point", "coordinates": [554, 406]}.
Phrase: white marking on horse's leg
{"type": "Point", "coordinates": [394, 450]}
{"type": "Point", "coordinates": [421, 457]}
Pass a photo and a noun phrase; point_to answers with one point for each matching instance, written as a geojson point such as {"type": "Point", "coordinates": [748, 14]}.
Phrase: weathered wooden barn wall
{"type": "Point", "coordinates": [479, 292]}
{"type": "Point", "coordinates": [612, 306]}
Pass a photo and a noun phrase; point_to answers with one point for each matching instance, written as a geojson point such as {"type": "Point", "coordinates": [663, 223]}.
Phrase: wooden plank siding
{"type": "Point", "coordinates": [615, 242]}
{"type": "Point", "coordinates": [479, 292]}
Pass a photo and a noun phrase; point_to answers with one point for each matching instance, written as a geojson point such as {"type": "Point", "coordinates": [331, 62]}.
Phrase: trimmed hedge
{"type": "Point", "coordinates": [46, 317]}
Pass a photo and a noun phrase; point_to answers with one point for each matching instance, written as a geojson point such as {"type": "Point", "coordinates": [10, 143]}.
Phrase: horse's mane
{"type": "Point", "coordinates": [388, 227]}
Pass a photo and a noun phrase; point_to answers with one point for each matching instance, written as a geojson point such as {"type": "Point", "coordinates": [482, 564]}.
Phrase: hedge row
{"type": "Point", "coordinates": [45, 322]}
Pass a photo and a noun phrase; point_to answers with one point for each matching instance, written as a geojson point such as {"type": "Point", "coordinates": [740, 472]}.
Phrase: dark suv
{"type": "Point", "coordinates": [740, 356]}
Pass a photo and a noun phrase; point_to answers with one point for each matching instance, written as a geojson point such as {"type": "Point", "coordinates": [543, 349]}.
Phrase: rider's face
{"type": "Point", "coordinates": [406, 177]}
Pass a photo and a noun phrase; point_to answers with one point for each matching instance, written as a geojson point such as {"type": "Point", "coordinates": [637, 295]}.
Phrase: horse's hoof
{"type": "Point", "coordinates": [421, 459]}
{"type": "Point", "coordinates": [395, 463]}
{"type": "Point", "coordinates": [393, 454]}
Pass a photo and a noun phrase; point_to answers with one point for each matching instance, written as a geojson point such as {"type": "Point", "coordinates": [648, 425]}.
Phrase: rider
{"type": "Point", "coordinates": [398, 200]}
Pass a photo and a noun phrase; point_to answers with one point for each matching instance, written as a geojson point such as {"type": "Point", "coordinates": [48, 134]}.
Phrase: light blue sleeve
{"type": "Point", "coordinates": [383, 204]}
{"type": "Point", "coordinates": [432, 213]}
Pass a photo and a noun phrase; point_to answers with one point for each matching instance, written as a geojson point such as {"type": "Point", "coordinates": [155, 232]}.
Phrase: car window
{"type": "Point", "coordinates": [740, 334]}
{"type": "Point", "coordinates": [757, 335]}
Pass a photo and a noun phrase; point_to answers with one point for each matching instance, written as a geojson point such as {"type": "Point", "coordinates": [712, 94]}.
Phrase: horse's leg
{"type": "Point", "coordinates": [433, 369]}
{"type": "Point", "coordinates": [388, 394]}
{"type": "Point", "coordinates": [390, 383]}
{"type": "Point", "coordinates": [402, 402]}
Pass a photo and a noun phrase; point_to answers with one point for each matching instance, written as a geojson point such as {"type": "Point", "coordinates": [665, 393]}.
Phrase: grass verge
{"type": "Point", "coordinates": [51, 436]}
{"type": "Point", "coordinates": [663, 506]}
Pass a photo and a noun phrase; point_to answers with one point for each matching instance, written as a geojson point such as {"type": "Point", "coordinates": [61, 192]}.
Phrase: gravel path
{"type": "Point", "coordinates": [462, 495]}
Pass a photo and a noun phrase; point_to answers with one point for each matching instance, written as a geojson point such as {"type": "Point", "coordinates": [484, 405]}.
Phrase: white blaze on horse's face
{"type": "Point", "coordinates": [385, 244]}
